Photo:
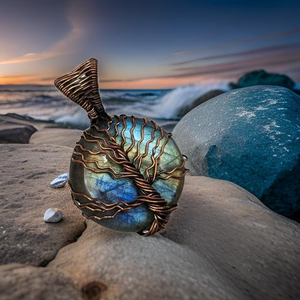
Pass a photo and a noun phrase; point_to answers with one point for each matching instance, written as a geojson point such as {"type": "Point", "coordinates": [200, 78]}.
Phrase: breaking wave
{"type": "Point", "coordinates": [48, 104]}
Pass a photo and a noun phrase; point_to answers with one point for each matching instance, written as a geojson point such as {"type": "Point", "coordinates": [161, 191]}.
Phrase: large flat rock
{"type": "Point", "coordinates": [25, 194]}
{"type": "Point", "coordinates": [133, 267]}
{"type": "Point", "coordinates": [21, 282]}
{"type": "Point", "coordinates": [56, 136]}
{"type": "Point", "coordinates": [255, 248]}
{"type": "Point", "coordinates": [222, 242]}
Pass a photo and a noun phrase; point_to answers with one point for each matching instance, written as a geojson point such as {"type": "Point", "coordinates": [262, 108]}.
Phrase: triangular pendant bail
{"type": "Point", "coordinates": [81, 86]}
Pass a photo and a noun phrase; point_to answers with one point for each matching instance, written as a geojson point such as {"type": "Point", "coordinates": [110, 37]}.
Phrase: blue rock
{"type": "Point", "coordinates": [250, 136]}
{"type": "Point", "coordinates": [60, 181]}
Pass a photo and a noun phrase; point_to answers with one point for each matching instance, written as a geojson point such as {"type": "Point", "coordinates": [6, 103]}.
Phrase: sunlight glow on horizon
{"type": "Point", "coordinates": [148, 83]}
{"type": "Point", "coordinates": [141, 52]}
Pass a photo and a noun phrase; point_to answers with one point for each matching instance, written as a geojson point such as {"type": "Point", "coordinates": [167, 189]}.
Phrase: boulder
{"type": "Point", "coordinates": [261, 77]}
{"type": "Point", "coordinates": [254, 248]}
{"type": "Point", "coordinates": [251, 137]}
{"type": "Point", "coordinates": [25, 193]}
{"type": "Point", "coordinates": [19, 134]}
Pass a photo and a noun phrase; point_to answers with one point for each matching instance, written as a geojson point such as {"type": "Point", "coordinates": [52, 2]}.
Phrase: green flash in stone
{"type": "Point", "coordinates": [126, 173]}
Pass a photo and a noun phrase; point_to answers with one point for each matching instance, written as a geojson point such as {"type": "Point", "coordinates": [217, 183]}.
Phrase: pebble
{"type": "Point", "coordinates": [53, 215]}
{"type": "Point", "coordinates": [60, 181]}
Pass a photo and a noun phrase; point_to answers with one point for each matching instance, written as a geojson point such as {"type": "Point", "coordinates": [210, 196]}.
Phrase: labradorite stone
{"type": "Point", "coordinates": [109, 190]}
{"type": "Point", "coordinates": [250, 136]}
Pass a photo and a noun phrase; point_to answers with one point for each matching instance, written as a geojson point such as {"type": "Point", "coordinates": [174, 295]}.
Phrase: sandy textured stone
{"type": "Point", "coordinates": [133, 267]}
{"type": "Point", "coordinates": [25, 194]}
{"type": "Point", "coordinates": [20, 282]}
{"type": "Point", "coordinates": [253, 247]}
{"type": "Point", "coordinates": [222, 243]}
{"type": "Point", "coordinates": [56, 136]}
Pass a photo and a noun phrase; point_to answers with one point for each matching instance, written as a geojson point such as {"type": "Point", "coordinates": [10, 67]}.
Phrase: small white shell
{"type": "Point", "coordinates": [60, 181]}
{"type": "Point", "coordinates": [53, 215]}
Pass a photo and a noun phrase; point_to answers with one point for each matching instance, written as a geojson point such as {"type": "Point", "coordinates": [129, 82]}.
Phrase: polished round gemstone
{"type": "Point", "coordinates": [105, 189]}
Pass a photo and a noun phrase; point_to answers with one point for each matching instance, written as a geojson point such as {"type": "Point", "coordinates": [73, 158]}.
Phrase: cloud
{"type": "Point", "coordinates": [244, 41]}
{"type": "Point", "coordinates": [231, 70]}
{"type": "Point", "coordinates": [244, 53]}
{"type": "Point", "coordinates": [277, 59]}
{"type": "Point", "coordinates": [20, 79]}
{"type": "Point", "coordinates": [179, 53]}
{"type": "Point", "coordinates": [65, 46]}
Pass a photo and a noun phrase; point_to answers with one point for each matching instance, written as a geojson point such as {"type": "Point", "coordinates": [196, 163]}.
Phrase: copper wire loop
{"type": "Point", "coordinates": [81, 86]}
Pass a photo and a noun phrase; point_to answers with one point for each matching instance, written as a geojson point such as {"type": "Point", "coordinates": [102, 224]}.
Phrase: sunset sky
{"type": "Point", "coordinates": [148, 44]}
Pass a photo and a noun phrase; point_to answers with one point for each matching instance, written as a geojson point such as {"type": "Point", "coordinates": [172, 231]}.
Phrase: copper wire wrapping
{"type": "Point", "coordinates": [81, 86]}
{"type": "Point", "coordinates": [147, 194]}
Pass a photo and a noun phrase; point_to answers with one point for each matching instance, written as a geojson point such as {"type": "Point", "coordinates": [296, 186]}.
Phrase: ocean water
{"type": "Point", "coordinates": [47, 103]}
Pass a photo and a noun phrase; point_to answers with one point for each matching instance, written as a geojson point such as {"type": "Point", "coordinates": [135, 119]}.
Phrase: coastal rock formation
{"type": "Point", "coordinates": [16, 134]}
{"type": "Point", "coordinates": [246, 242]}
{"type": "Point", "coordinates": [222, 242]}
{"type": "Point", "coordinates": [56, 136]}
{"type": "Point", "coordinates": [132, 267]}
{"type": "Point", "coordinates": [251, 138]}
{"type": "Point", "coordinates": [18, 129]}
{"type": "Point", "coordinates": [25, 194]}
{"type": "Point", "coordinates": [261, 77]}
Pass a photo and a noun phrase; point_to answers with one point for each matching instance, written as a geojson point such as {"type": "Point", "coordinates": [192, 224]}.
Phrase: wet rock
{"type": "Point", "coordinates": [18, 134]}
{"type": "Point", "coordinates": [18, 129]}
{"type": "Point", "coordinates": [261, 77]}
{"type": "Point", "coordinates": [249, 136]}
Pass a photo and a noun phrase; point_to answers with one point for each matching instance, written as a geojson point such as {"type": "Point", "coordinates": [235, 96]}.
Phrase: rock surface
{"type": "Point", "coordinates": [31, 283]}
{"type": "Point", "coordinates": [11, 133]}
{"type": "Point", "coordinates": [222, 243]}
{"type": "Point", "coordinates": [132, 267]}
{"type": "Point", "coordinates": [251, 138]}
{"type": "Point", "coordinates": [57, 136]}
{"type": "Point", "coordinates": [18, 129]}
{"type": "Point", "coordinates": [253, 247]}
{"type": "Point", "coordinates": [25, 194]}
{"type": "Point", "coordinates": [261, 77]}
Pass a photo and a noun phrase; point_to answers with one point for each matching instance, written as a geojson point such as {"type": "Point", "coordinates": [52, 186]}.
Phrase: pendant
{"type": "Point", "coordinates": [126, 172]}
